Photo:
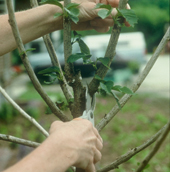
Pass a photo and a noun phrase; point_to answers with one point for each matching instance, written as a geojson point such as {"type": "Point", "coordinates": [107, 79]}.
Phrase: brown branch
{"type": "Point", "coordinates": [69, 69]}
{"type": "Point", "coordinates": [136, 85]}
{"type": "Point", "coordinates": [50, 48]}
{"type": "Point", "coordinates": [110, 53]}
{"type": "Point", "coordinates": [132, 152]}
{"type": "Point", "coordinates": [27, 65]}
{"type": "Point", "coordinates": [18, 140]}
{"type": "Point", "coordinates": [155, 148]}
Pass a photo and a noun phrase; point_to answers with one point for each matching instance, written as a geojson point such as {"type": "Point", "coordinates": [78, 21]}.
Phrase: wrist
{"type": "Point", "coordinates": [50, 21]}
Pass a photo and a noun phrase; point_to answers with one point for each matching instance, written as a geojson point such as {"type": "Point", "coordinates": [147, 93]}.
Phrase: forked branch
{"type": "Point", "coordinates": [110, 52]}
{"type": "Point", "coordinates": [155, 148]}
{"type": "Point", "coordinates": [132, 152]}
{"type": "Point", "coordinates": [136, 85]}
{"type": "Point", "coordinates": [54, 60]}
{"type": "Point", "coordinates": [27, 65]}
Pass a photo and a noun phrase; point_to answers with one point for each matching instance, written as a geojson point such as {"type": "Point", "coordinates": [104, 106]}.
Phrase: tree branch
{"type": "Point", "coordinates": [155, 148]}
{"type": "Point", "coordinates": [23, 113]}
{"type": "Point", "coordinates": [28, 67]}
{"type": "Point", "coordinates": [110, 53]}
{"type": "Point", "coordinates": [55, 62]}
{"type": "Point", "coordinates": [69, 69]}
{"type": "Point", "coordinates": [136, 85]}
{"type": "Point", "coordinates": [18, 140]}
{"type": "Point", "coordinates": [132, 152]}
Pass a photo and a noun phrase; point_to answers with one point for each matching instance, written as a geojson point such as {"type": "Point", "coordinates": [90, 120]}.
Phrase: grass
{"type": "Point", "coordinates": [141, 117]}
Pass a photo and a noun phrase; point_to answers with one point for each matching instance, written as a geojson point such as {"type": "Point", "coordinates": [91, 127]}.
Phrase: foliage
{"type": "Point", "coordinates": [7, 113]}
{"type": "Point", "coordinates": [152, 23]}
{"type": "Point", "coordinates": [69, 12]}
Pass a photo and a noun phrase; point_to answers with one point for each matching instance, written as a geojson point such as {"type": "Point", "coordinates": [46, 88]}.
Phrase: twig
{"type": "Point", "coordinates": [27, 65]}
{"type": "Point", "coordinates": [18, 140]}
{"type": "Point", "coordinates": [132, 152]}
{"type": "Point", "coordinates": [139, 81]}
{"type": "Point", "coordinates": [23, 113]}
{"type": "Point", "coordinates": [55, 62]}
{"type": "Point", "coordinates": [110, 53]}
{"type": "Point", "coordinates": [155, 148]}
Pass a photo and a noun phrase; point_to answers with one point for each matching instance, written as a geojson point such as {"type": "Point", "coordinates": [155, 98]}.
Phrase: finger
{"type": "Point", "coordinates": [97, 156]}
{"type": "Point", "coordinates": [99, 144]}
{"type": "Point", "coordinates": [90, 168]}
{"type": "Point", "coordinates": [101, 30]}
{"type": "Point", "coordinates": [101, 23]}
{"type": "Point", "coordinates": [97, 134]}
{"type": "Point", "coordinates": [113, 3]}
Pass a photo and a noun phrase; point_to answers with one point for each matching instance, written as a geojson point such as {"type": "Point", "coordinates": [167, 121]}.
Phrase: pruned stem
{"type": "Point", "coordinates": [155, 148]}
{"type": "Point", "coordinates": [23, 113]}
{"type": "Point", "coordinates": [132, 152]}
{"type": "Point", "coordinates": [135, 86]}
{"type": "Point", "coordinates": [28, 67]}
{"type": "Point", "coordinates": [18, 140]}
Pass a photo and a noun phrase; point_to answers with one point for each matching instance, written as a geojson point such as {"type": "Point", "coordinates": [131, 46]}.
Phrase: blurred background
{"type": "Point", "coordinates": [143, 115]}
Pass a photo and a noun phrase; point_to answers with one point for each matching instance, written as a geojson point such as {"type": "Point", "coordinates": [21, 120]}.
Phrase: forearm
{"type": "Point", "coordinates": [48, 157]}
{"type": "Point", "coordinates": [32, 24]}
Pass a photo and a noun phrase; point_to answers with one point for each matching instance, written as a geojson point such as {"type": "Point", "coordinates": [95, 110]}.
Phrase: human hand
{"type": "Point", "coordinates": [89, 19]}
{"type": "Point", "coordinates": [81, 143]}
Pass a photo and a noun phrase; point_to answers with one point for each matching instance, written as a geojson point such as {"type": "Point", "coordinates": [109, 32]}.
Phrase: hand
{"type": "Point", "coordinates": [81, 142]}
{"type": "Point", "coordinates": [88, 18]}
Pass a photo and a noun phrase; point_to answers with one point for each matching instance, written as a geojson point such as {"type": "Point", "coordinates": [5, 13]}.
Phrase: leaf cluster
{"type": "Point", "coordinates": [69, 12]}
{"type": "Point", "coordinates": [85, 53]}
{"type": "Point", "coordinates": [125, 14]}
{"type": "Point", "coordinates": [53, 72]}
{"type": "Point", "coordinates": [108, 87]}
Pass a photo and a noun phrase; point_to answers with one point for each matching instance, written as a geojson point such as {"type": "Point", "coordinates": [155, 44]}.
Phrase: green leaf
{"type": "Point", "coordinates": [71, 100]}
{"type": "Point", "coordinates": [57, 15]}
{"type": "Point", "coordinates": [83, 47]}
{"type": "Point", "coordinates": [74, 18]}
{"type": "Point", "coordinates": [50, 70]}
{"type": "Point", "coordinates": [73, 14]}
{"type": "Point", "coordinates": [74, 11]}
{"type": "Point", "coordinates": [102, 92]}
{"type": "Point", "coordinates": [121, 89]}
{"type": "Point", "coordinates": [129, 15]}
{"type": "Point", "coordinates": [72, 5]}
{"type": "Point", "coordinates": [104, 13]}
{"type": "Point", "coordinates": [100, 5]}
{"type": "Point", "coordinates": [104, 61]}
{"type": "Point", "coordinates": [54, 2]}
{"type": "Point", "coordinates": [109, 85]}
{"type": "Point", "coordinates": [127, 90]}
{"type": "Point", "coordinates": [30, 49]}
{"type": "Point", "coordinates": [72, 58]}
{"type": "Point", "coordinates": [98, 77]}
{"type": "Point", "coordinates": [51, 82]}
{"type": "Point", "coordinates": [117, 99]}
{"type": "Point", "coordinates": [117, 88]}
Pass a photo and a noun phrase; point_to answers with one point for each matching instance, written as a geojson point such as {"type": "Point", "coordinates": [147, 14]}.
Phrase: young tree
{"type": "Point", "coordinates": [77, 100]}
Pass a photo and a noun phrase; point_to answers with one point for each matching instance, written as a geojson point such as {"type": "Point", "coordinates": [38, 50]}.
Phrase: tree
{"type": "Point", "coordinates": [77, 101]}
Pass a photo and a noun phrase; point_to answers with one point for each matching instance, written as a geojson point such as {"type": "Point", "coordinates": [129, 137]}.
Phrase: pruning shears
{"type": "Point", "coordinates": [90, 106]}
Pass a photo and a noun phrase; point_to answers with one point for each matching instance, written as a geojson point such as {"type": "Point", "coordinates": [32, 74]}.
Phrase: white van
{"type": "Point", "coordinates": [131, 47]}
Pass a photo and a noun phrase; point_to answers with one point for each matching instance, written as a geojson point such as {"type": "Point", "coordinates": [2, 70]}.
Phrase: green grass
{"type": "Point", "coordinates": [138, 120]}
